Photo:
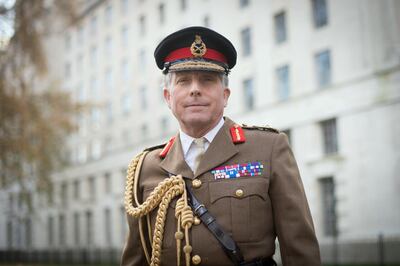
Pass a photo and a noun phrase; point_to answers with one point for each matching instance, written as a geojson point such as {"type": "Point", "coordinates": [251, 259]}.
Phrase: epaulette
{"type": "Point", "coordinates": [160, 146]}
{"type": "Point", "coordinates": [263, 128]}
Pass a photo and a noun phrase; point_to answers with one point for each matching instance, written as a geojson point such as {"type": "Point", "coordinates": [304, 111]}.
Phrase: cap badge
{"type": "Point", "coordinates": [198, 47]}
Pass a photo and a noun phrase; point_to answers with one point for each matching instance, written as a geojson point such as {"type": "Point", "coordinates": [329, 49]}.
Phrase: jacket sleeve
{"type": "Point", "coordinates": [133, 255]}
{"type": "Point", "coordinates": [291, 214]}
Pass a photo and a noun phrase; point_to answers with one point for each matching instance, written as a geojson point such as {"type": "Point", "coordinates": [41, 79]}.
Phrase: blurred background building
{"type": "Point", "coordinates": [325, 72]}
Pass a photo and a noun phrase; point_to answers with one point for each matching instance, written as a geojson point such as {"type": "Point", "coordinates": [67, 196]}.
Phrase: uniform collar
{"type": "Point", "coordinates": [187, 140]}
{"type": "Point", "coordinates": [220, 150]}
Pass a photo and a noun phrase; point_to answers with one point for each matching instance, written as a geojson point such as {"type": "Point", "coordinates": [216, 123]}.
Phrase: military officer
{"type": "Point", "coordinates": [217, 193]}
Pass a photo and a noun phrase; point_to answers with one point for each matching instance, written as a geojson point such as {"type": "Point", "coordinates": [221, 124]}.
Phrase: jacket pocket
{"type": "Point", "coordinates": [242, 205]}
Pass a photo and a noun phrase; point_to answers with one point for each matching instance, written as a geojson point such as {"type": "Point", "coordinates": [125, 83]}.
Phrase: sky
{"type": "Point", "coordinates": [6, 27]}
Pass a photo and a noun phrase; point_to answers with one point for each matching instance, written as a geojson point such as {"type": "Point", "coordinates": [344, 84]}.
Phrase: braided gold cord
{"type": "Point", "coordinates": [160, 197]}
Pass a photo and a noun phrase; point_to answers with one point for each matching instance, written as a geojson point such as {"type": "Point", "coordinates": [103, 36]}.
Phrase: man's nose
{"type": "Point", "coordinates": [194, 89]}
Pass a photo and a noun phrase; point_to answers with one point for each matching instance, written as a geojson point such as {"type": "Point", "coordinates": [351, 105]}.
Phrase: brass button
{"type": "Point", "coordinates": [196, 220]}
{"type": "Point", "coordinates": [196, 259]}
{"type": "Point", "coordinates": [196, 183]}
{"type": "Point", "coordinates": [239, 193]}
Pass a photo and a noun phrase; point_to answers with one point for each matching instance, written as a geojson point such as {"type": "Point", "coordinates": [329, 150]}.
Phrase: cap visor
{"type": "Point", "coordinates": [196, 65]}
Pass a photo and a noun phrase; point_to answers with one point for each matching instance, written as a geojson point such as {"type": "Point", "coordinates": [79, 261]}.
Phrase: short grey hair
{"type": "Point", "coordinates": [168, 79]}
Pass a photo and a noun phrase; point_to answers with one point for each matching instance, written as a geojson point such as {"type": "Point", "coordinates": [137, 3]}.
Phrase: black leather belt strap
{"type": "Point", "coordinates": [260, 262]}
{"type": "Point", "coordinates": [229, 246]}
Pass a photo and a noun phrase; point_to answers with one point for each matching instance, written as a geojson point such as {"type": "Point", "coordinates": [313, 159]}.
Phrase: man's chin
{"type": "Point", "coordinates": [195, 121]}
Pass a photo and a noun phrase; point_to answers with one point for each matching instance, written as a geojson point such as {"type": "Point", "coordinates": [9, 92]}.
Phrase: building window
{"type": "Point", "coordinates": [67, 71]}
{"type": "Point", "coordinates": [246, 41]}
{"type": "Point", "coordinates": [320, 13]}
{"type": "Point", "coordinates": [93, 25]}
{"type": "Point", "coordinates": [77, 232]}
{"type": "Point", "coordinates": [89, 228]}
{"type": "Point", "coordinates": [143, 98]}
{"type": "Point", "coordinates": [107, 224]}
{"type": "Point", "coordinates": [50, 231]}
{"type": "Point", "coordinates": [9, 234]}
{"type": "Point", "coordinates": [280, 27]}
{"type": "Point", "coordinates": [107, 183]}
{"type": "Point", "coordinates": [283, 84]}
{"type": "Point", "coordinates": [107, 47]}
{"type": "Point", "coordinates": [124, 36]}
{"type": "Point", "coordinates": [80, 35]}
{"type": "Point", "coordinates": [329, 133]}
{"type": "Point", "coordinates": [161, 13]}
{"type": "Point", "coordinates": [95, 118]}
{"type": "Point", "coordinates": [92, 188]}
{"type": "Point", "coordinates": [248, 92]}
{"type": "Point", "coordinates": [50, 194]}
{"type": "Point", "coordinates": [109, 80]}
{"type": "Point", "coordinates": [123, 223]}
{"type": "Point", "coordinates": [93, 56]}
{"type": "Point", "coordinates": [142, 59]}
{"type": "Point", "coordinates": [206, 21]}
{"type": "Point", "coordinates": [107, 146]}
{"type": "Point", "coordinates": [144, 130]}
{"type": "Point", "coordinates": [142, 25]}
{"type": "Point", "coordinates": [323, 66]}
{"type": "Point", "coordinates": [96, 149]}
{"type": "Point", "coordinates": [243, 3]}
{"type": "Point", "coordinates": [61, 230]}
{"type": "Point", "coordinates": [126, 102]}
{"type": "Point", "coordinates": [94, 88]}
{"type": "Point", "coordinates": [109, 112]}
{"type": "Point", "coordinates": [164, 126]}
{"type": "Point", "coordinates": [82, 153]}
{"type": "Point", "coordinates": [124, 6]}
{"type": "Point", "coordinates": [64, 194]}
{"type": "Point", "coordinates": [108, 15]}
{"type": "Point", "coordinates": [67, 42]}
{"type": "Point", "coordinates": [125, 70]}
{"type": "Point", "coordinates": [28, 232]}
{"type": "Point", "coordinates": [77, 190]}
{"type": "Point", "coordinates": [327, 187]}
{"type": "Point", "coordinates": [79, 65]}
{"type": "Point", "coordinates": [183, 4]}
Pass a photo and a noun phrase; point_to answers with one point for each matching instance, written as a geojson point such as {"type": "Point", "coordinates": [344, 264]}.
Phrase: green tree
{"type": "Point", "coordinates": [36, 117]}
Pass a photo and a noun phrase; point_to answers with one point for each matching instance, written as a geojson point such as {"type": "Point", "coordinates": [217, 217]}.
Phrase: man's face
{"type": "Point", "coordinates": [196, 98]}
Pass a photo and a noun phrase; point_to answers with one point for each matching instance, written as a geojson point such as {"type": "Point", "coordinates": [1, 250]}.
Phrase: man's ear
{"type": "Point", "coordinates": [167, 97]}
{"type": "Point", "coordinates": [227, 93]}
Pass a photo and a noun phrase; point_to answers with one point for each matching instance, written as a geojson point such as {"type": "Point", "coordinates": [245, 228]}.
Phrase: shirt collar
{"type": "Point", "coordinates": [187, 140]}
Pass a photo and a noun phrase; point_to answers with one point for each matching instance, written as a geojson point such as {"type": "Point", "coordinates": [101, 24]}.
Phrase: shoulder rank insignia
{"type": "Point", "coordinates": [262, 128]}
{"type": "Point", "coordinates": [165, 151]}
{"type": "Point", "coordinates": [237, 134]}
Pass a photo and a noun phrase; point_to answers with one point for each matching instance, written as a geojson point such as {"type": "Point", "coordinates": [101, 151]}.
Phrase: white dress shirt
{"type": "Point", "coordinates": [189, 151]}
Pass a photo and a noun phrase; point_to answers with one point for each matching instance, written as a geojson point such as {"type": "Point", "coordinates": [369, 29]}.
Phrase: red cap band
{"type": "Point", "coordinates": [185, 52]}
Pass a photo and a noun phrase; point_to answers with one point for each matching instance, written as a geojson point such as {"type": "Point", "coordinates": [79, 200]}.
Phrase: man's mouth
{"type": "Point", "coordinates": [196, 105]}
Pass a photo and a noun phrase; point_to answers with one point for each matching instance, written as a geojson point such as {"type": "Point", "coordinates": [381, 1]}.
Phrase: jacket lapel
{"type": "Point", "coordinates": [174, 162]}
{"type": "Point", "coordinates": [220, 150]}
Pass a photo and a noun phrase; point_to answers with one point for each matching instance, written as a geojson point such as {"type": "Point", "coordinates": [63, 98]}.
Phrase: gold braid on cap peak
{"type": "Point", "coordinates": [160, 197]}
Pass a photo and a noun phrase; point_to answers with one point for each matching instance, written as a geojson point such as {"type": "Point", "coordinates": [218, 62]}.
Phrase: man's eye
{"type": "Point", "coordinates": [182, 80]}
{"type": "Point", "coordinates": [208, 78]}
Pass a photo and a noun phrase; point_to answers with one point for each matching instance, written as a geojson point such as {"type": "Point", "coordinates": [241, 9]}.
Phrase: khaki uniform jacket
{"type": "Point", "coordinates": [273, 204]}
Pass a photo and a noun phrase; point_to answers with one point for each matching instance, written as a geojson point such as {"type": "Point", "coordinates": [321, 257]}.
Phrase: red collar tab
{"type": "Point", "coordinates": [185, 53]}
{"type": "Point", "coordinates": [237, 134]}
{"type": "Point", "coordinates": [167, 147]}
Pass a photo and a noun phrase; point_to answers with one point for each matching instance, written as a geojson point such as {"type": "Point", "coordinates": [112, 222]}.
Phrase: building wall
{"type": "Point", "coordinates": [363, 96]}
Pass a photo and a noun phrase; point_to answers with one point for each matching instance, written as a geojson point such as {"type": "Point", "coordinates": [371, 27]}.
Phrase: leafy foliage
{"type": "Point", "coordinates": [35, 115]}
